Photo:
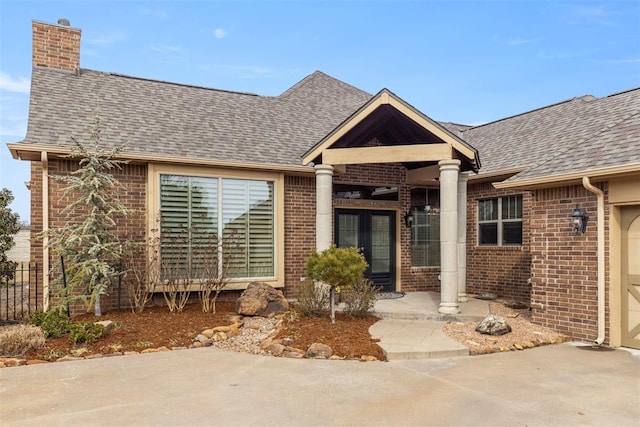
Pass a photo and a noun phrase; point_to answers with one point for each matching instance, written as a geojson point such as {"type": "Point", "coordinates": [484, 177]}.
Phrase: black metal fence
{"type": "Point", "coordinates": [19, 291]}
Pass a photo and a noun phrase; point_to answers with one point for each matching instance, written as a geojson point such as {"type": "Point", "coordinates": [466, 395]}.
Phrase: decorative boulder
{"type": "Point", "coordinates": [319, 351]}
{"type": "Point", "coordinates": [493, 325]}
{"type": "Point", "coordinates": [260, 299]}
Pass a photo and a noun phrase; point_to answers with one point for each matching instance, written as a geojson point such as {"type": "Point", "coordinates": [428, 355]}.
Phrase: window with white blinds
{"type": "Point", "coordinates": [194, 211]}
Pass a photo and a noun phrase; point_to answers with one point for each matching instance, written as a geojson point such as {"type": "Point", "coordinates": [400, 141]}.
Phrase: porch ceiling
{"type": "Point", "coordinates": [387, 121]}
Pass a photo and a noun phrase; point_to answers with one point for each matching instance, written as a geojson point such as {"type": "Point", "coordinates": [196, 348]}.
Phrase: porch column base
{"type": "Point", "coordinates": [449, 308]}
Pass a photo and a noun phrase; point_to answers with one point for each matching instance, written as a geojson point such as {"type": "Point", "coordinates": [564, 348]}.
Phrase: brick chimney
{"type": "Point", "coordinates": [56, 45]}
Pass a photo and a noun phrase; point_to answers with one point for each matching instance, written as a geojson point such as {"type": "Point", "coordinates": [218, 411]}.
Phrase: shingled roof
{"type": "Point", "coordinates": [188, 122]}
{"type": "Point", "coordinates": [562, 137]}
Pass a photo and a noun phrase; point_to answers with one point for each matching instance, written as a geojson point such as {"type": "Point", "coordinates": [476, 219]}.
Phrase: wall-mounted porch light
{"type": "Point", "coordinates": [580, 219]}
{"type": "Point", "coordinates": [408, 219]}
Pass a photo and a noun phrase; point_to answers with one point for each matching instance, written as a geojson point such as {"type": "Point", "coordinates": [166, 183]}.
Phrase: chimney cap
{"type": "Point", "coordinates": [64, 22]}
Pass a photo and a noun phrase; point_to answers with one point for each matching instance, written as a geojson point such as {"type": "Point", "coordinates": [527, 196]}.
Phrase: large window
{"type": "Point", "coordinates": [500, 221]}
{"type": "Point", "coordinates": [425, 228]}
{"type": "Point", "coordinates": [195, 211]}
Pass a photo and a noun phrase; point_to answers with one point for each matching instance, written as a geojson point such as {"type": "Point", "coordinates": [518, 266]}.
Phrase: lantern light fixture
{"type": "Point", "coordinates": [580, 219]}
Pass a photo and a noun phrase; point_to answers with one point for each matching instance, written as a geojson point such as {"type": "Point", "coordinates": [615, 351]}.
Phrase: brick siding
{"type": "Point", "coordinates": [133, 195]}
{"type": "Point", "coordinates": [501, 270]}
{"type": "Point", "coordinates": [564, 265]}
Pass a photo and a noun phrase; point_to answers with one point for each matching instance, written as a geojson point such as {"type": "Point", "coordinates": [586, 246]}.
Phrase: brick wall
{"type": "Point", "coordinates": [299, 228]}
{"type": "Point", "coordinates": [564, 265]}
{"type": "Point", "coordinates": [502, 270]}
{"type": "Point", "coordinates": [55, 46]}
{"type": "Point", "coordinates": [133, 195]}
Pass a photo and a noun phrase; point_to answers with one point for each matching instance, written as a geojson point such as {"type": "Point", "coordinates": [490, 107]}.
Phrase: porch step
{"type": "Point", "coordinates": [407, 315]}
{"type": "Point", "coordinates": [403, 339]}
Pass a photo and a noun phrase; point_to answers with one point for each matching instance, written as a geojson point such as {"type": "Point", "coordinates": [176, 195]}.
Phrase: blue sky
{"type": "Point", "coordinates": [462, 61]}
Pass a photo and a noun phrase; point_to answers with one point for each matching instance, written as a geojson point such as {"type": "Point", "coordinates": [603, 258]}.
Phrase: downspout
{"type": "Point", "coordinates": [45, 230]}
{"type": "Point", "coordinates": [600, 253]}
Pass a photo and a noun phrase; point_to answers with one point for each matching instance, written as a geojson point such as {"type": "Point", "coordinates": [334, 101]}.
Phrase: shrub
{"type": "Point", "coordinates": [337, 267]}
{"type": "Point", "coordinates": [53, 323]}
{"type": "Point", "coordinates": [340, 268]}
{"type": "Point", "coordinates": [86, 332]}
{"type": "Point", "coordinates": [360, 299]}
{"type": "Point", "coordinates": [312, 299]}
{"type": "Point", "coordinates": [16, 340]}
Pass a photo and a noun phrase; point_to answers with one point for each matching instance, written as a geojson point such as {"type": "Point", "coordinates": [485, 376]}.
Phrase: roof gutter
{"type": "Point", "coordinates": [21, 151]}
{"type": "Point", "coordinates": [586, 182]}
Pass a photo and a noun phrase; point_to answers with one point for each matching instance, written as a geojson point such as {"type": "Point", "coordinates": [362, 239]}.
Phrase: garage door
{"type": "Point", "coordinates": [631, 277]}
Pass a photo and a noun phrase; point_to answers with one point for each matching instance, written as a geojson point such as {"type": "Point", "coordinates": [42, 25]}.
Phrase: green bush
{"type": "Point", "coordinates": [312, 299]}
{"type": "Point", "coordinates": [338, 267]}
{"type": "Point", "coordinates": [16, 340]}
{"type": "Point", "coordinates": [53, 323]}
{"type": "Point", "coordinates": [360, 299]}
{"type": "Point", "coordinates": [86, 332]}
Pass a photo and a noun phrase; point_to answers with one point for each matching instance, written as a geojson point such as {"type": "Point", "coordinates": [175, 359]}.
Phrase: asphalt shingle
{"type": "Point", "coordinates": [160, 118]}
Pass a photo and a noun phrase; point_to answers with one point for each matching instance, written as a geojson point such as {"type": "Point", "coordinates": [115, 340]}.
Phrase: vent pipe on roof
{"type": "Point", "coordinates": [64, 22]}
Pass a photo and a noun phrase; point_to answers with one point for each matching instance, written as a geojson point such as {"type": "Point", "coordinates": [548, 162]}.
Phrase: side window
{"type": "Point", "coordinates": [425, 227]}
{"type": "Point", "coordinates": [500, 221]}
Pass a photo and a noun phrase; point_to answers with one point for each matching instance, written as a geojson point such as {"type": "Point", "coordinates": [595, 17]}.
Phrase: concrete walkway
{"type": "Point", "coordinates": [557, 385]}
{"type": "Point", "coordinates": [412, 327]}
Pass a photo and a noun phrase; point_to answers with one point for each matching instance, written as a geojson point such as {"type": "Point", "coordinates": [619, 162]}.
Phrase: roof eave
{"type": "Point", "coordinates": [571, 178]}
{"type": "Point", "coordinates": [32, 153]}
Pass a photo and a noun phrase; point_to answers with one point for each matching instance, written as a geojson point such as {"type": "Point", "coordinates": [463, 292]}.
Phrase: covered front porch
{"type": "Point", "coordinates": [388, 131]}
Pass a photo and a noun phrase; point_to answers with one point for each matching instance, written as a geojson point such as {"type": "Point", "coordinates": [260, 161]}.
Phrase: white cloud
{"type": "Point", "coordinates": [520, 42]}
{"type": "Point", "coordinates": [107, 39]}
{"type": "Point", "coordinates": [19, 85]}
{"type": "Point", "coordinates": [219, 33]}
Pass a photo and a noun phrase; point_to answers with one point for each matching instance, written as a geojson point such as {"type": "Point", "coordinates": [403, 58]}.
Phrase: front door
{"type": "Point", "coordinates": [630, 276]}
{"type": "Point", "coordinates": [374, 233]}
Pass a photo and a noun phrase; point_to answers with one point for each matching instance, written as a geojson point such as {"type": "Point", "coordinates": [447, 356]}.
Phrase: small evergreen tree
{"type": "Point", "coordinates": [9, 226]}
{"type": "Point", "coordinates": [340, 268]}
{"type": "Point", "coordinates": [87, 242]}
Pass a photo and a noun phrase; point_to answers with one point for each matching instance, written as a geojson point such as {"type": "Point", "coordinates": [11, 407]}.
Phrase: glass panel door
{"type": "Point", "coordinates": [373, 232]}
{"type": "Point", "coordinates": [380, 241]}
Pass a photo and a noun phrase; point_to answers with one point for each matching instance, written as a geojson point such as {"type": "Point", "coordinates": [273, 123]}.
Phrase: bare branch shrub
{"type": "Point", "coordinates": [312, 299]}
{"type": "Point", "coordinates": [16, 340]}
{"type": "Point", "coordinates": [360, 298]}
{"type": "Point", "coordinates": [142, 271]}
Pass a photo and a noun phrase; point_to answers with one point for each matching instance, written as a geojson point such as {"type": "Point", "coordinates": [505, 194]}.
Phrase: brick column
{"type": "Point", "coordinates": [324, 205]}
{"type": "Point", "coordinates": [449, 236]}
{"type": "Point", "coordinates": [462, 237]}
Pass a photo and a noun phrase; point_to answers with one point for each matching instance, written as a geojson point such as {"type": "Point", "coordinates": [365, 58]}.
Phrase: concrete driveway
{"type": "Point", "coordinates": [546, 386]}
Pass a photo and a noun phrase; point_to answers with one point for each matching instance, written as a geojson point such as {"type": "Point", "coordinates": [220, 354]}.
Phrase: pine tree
{"type": "Point", "coordinates": [87, 243]}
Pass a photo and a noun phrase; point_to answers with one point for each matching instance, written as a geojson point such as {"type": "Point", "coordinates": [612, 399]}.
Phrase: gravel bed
{"type": "Point", "coordinates": [524, 334]}
{"type": "Point", "coordinates": [254, 331]}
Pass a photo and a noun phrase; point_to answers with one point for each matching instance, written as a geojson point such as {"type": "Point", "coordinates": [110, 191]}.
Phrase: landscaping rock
{"type": "Point", "coordinates": [493, 325]}
{"type": "Point", "coordinates": [107, 324]}
{"type": "Point", "coordinates": [260, 299]}
{"type": "Point", "coordinates": [276, 349]}
{"type": "Point", "coordinates": [319, 351]}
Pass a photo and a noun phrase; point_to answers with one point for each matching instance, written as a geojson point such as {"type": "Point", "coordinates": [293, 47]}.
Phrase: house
{"type": "Point", "coordinates": [550, 216]}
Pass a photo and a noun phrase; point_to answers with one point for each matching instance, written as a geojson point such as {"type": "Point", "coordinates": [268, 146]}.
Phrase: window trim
{"type": "Point", "coordinates": [153, 209]}
{"type": "Point", "coordinates": [499, 223]}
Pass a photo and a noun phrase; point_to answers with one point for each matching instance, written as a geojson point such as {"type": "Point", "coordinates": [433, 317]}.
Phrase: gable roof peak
{"type": "Point", "coordinates": [317, 77]}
